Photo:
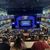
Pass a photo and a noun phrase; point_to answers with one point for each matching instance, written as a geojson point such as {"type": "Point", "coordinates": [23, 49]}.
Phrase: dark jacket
{"type": "Point", "coordinates": [4, 46]}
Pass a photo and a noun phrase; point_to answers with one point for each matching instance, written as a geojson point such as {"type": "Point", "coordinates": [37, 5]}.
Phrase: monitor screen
{"type": "Point", "coordinates": [25, 23]}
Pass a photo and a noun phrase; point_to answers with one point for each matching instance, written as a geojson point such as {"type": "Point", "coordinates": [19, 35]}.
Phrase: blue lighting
{"type": "Point", "coordinates": [29, 22]}
{"type": "Point", "coordinates": [25, 23]}
{"type": "Point", "coordinates": [13, 23]}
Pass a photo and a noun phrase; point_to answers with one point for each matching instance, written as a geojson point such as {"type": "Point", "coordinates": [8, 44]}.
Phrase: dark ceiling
{"type": "Point", "coordinates": [13, 6]}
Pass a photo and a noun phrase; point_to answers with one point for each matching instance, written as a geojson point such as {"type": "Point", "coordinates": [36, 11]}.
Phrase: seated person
{"type": "Point", "coordinates": [4, 45]}
{"type": "Point", "coordinates": [19, 44]}
{"type": "Point", "coordinates": [40, 45]}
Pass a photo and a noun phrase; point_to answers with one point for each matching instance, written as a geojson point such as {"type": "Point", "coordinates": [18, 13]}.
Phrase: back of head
{"type": "Point", "coordinates": [40, 37]}
{"type": "Point", "coordinates": [5, 40]}
{"type": "Point", "coordinates": [17, 43]}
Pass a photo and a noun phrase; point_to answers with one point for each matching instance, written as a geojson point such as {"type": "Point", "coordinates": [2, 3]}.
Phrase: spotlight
{"type": "Point", "coordinates": [38, 22]}
{"type": "Point", "coordinates": [13, 23]}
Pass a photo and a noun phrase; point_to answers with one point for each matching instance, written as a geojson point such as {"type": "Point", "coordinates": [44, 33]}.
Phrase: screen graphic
{"type": "Point", "coordinates": [25, 23]}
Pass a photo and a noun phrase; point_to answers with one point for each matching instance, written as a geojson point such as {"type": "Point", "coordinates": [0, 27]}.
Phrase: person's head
{"type": "Point", "coordinates": [5, 40]}
{"type": "Point", "coordinates": [17, 43]}
{"type": "Point", "coordinates": [40, 37]}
